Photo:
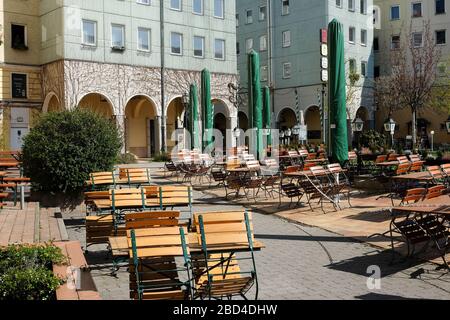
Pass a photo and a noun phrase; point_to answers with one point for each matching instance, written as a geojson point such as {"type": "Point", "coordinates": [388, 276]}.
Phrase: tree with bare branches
{"type": "Point", "coordinates": [412, 80]}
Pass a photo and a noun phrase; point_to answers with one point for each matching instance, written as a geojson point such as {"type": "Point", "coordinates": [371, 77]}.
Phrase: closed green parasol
{"type": "Point", "coordinates": [193, 123]}
{"type": "Point", "coordinates": [255, 99]}
{"type": "Point", "coordinates": [267, 114]}
{"type": "Point", "coordinates": [337, 95]}
{"type": "Point", "coordinates": [207, 107]}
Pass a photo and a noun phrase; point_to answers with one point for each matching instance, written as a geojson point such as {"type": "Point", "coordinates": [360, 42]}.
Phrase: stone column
{"type": "Point", "coordinates": [120, 122]}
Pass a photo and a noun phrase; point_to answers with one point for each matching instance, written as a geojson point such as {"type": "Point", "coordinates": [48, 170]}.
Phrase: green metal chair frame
{"type": "Point", "coordinates": [226, 257]}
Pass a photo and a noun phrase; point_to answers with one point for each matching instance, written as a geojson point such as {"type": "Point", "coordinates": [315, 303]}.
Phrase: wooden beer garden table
{"type": "Point", "coordinates": [387, 163]}
{"type": "Point", "coordinates": [416, 176]}
{"type": "Point", "coordinates": [438, 206]}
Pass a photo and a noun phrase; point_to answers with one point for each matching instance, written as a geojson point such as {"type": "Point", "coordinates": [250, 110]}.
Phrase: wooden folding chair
{"type": "Point", "coordinates": [154, 270]}
{"type": "Point", "coordinates": [217, 273]}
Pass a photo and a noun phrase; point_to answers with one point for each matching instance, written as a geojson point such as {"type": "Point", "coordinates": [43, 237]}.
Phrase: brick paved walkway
{"type": "Point", "coordinates": [299, 262]}
{"type": "Point", "coordinates": [31, 225]}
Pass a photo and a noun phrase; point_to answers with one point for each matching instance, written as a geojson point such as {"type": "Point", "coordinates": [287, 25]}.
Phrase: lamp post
{"type": "Point", "coordinates": [447, 125]}
{"type": "Point", "coordinates": [358, 126]}
{"type": "Point", "coordinates": [185, 102]}
{"type": "Point", "coordinates": [432, 140]}
{"type": "Point", "coordinates": [389, 126]}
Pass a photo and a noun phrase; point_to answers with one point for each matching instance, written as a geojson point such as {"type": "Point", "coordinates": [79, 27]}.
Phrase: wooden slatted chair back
{"type": "Point", "coordinates": [308, 165]}
{"type": "Point", "coordinates": [402, 159]}
{"type": "Point", "coordinates": [402, 168]}
{"type": "Point", "coordinates": [334, 168]}
{"type": "Point", "coordinates": [101, 179]}
{"type": "Point", "coordinates": [221, 228]}
{"type": "Point", "coordinates": [352, 156]}
{"type": "Point", "coordinates": [434, 192]}
{"type": "Point", "coordinates": [435, 172]}
{"type": "Point", "coordinates": [318, 171]}
{"type": "Point", "coordinates": [311, 156]}
{"type": "Point", "coordinates": [293, 153]}
{"type": "Point", "coordinates": [381, 158]}
{"type": "Point", "coordinates": [129, 198]}
{"type": "Point", "coordinates": [232, 164]}
{"type": "Point", "coordinates": [392, 157]}
{"type": "Point", "coordinates": [135, 175]}
{"type": "Point", "coordinates": [270, 162]}
{"type": "Point", "coordinates": [445, 168]}
{"type": "Point", "coordinates": [413, 195]}
{"type": "Point", "coordinates": [303, 152]}
{"type": "Point", "coordinates": [253, 165]}
{"type": "Point", "coordinates": [151, 219]}
{"type": "Point", "coordinates": [414, 157]}
{"type": "Point", "coordinates": [248, 157]}
{"type": "Point", "coordinates": [153, 252]}
{"type": "Point", "coordinates": [175, 196]}
{"type": "Point", "coordinates": [292, 169]}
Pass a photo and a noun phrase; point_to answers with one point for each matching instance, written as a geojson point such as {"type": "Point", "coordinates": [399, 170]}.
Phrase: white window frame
{"type": "Point", "coordinates": [223, 9]}
{"type": "Point", "coordinates": [123, 34]}
{"type": "Point", "coordinates": [340, 3]}
{"type": "Point", "coordinates": [247, 16]}
{"type": "Point", "coordinates": [445, 8]}
{"type": "Point", "coordinates": [181, 43]}
{"type": "Point", "coordinates": [283, 11]}
{"type": "Point", "coordinates": [365, 64]}
{"type": "Point", "coordinates": [354, 34]}
{"type": "Point", "coordinates": [202, 8]}
{"type": "Point", "coordinates": [363, 31]}
{"type": "Point", "coordinates": [421, 9]}
{"type": "Point", "coordinates": [94, 44]}
{"type": "Point", "coordinates": [174, 8]}
{"type": "Point", "coordinates": [286, 44]}
{"type": "Point", "coordinates": [223, 49]}
{"type": "Point", "coordinates": [203, 47]}
{"type": "Point", "coordinates": [149, 33]}
{"type": "Point", "coordinates": [284, 69]}
{"type": "Point", "coordinates": [399, 12]}
{"type": "Point", "coordinates": [145, 2]}
{"type": "Point", "coordinates": [259, 13]}
{"type": "Point", "coordinates": [392, 42]}
{"type": "Point", "coordinates": [364, 12]}
{"type": "Point", "coordinates": [247, 41]}
{"type": "Point", "coordinates": [445, 40]}
{"type": "Point", "coordinates": [414, 40]}
{"type": "Point", "coordinates": [351, 9]}
{"type": "Point", "coordinates": [261, 48]}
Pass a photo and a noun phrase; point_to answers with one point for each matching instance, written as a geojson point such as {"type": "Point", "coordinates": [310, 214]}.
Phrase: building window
{"type": "Point", "coordinates": [147, 2]}
{"type": "Point", "coordinates": [262, 13]}
{"type": "Point", "coordinates": [89, 32]}
{"type": "Point", "coordinates": [144, 39]}
{"type": "Point", "coordinates": [352, 66]}
{"type": "Point", "coordinates": [376, 72]}
{"type": "Point", "coordinates": [18, 37]}
{"type": "Point", "coordinates": [395, 42]}
{"type": "Point", "coordinates": [363, 6]}
{"type": "Point", "coordinates": [117, 36]}
{"type": "Point", "coordinates": [263, 43]}
{"type": "Point", "coordinates": [286, 39]}
{"type": "Point", "coordinates": [351, 34]}
{"type": "Point", "coordinates": [219, 9]}
{"type": "Point", "coordinates": [339, 3]}
{"type": "Point", "coordinates": [249, 14]}
{"type": "Point", "coordinates": [249, 44]}
{"type": "Point", "coordinates": [440, 6]}
{"type": "Point", "coordinates": [176, 43]}
{"type": "Point", "coordinates": [219, 49]}
{"type": "Point", "coordinates": [364, 68]}
{"type": "Point", "coordinates": [237, 20]}
{"type": "Point", "coordinates": [287, 66]}
{"type": "Point", "coordinates": [364, 37]}
{"type": "Point", "coordinates": [376, 44]}
{"type": "Point", "coordinates": [264, 73]}
{"type": "Point", "coordinates": [285, 7]}
{"type": "Point", "coordinates": [351, 5]}
{"type": "Point", "coordinates": [199, 47]}
{"type": "Point", "coordinates": [395, 13]}
{"type": "Point", "coordinates": [417, 39]}
{"type": "Point", "coordinates": [417, 10]}
{"type": "Point", "coordinates": [19, 85]}
{"type": "Point", "coordinates": [175, 5]}
{"type": "Point", "coordinates": [441, 37]}
{"type": "Point", "coordinates": [197, 6]}
{"type": "Point", "coordinates": [238, 48]}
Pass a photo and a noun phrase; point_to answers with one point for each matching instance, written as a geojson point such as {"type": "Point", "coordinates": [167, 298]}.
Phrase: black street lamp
{"type": "Point", "coordinates": [358, 125]}
{"type": "Point", "coordinates": [389, 126]}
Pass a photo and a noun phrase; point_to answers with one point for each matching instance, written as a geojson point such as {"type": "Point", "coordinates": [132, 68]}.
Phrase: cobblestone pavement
{"type": "Point", "coordinates": [298, 262]}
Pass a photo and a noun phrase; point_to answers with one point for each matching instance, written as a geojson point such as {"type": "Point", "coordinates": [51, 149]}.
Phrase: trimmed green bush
{"type": "Point", "coordinates": [64, 147]}
{"type": "Point", "coordinates": [161, 157]}
{"type": "Point", "coordinates": [26, 272]}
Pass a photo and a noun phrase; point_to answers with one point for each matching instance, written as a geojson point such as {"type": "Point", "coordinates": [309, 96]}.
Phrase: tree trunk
{"type": "Point", "coordinates": [414, 128]}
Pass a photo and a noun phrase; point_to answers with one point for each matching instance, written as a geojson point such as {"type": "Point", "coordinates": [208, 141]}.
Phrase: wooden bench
{"type": "Point", "coordinates": [135, 176]}
{"type": "Point", "coordinates": [99, 180]}
{"type": "Point", "coordinates": [80, 285]}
